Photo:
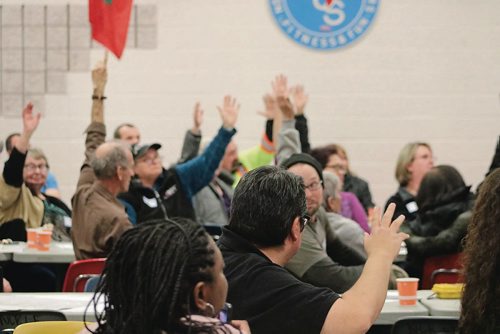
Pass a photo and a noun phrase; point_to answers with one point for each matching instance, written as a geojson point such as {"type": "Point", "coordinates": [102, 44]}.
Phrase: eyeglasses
{"type": "Point", "coordinates": [314, 186]}
{"type": "Point", "coordinates": [304, 220]}
{"type": "Point", "coordinates": [33, 167]}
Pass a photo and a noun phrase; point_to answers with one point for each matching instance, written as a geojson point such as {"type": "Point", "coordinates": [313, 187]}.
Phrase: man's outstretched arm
{"type": "Point", "coordinates": [360, 306]}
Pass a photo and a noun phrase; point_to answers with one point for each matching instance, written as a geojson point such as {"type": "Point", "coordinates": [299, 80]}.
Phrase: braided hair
{"type": "Point", "coordinates": [149, 277]}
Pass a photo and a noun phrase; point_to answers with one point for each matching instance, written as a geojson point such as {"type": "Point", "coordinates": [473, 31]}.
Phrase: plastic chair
{"type": "Point", "coordinates": [446, 276]}
{"type": "Point", "coordinates": [80, 271]}
{"type": "Point", "coordinates": [91, 284]}
{"type": "Point", "coordinates": [11, 319]}
{"type": "Point", "coordinates": [51, 327]}
{"type": "Point", "coordinates": [441, 264]}
{"type": "Point", "coordinates": [426, 325]}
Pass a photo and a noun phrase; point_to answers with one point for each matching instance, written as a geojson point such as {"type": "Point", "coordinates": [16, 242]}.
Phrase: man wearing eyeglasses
{"type": "Point", "coordinates": [268, 215]}
{"type": "Point", "coordinates": [323, 259]}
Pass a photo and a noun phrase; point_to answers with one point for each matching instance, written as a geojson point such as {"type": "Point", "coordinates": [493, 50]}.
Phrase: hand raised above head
{"type": "Point", "coordinates": [280, 86]}
{"type": "Point", "coordinates": [197, 118]}
{"type": "Point", "coordinates": [385, 238]}
{"type": "Point", "coordinates": [271, 106]}
{"type": "Point", "coordinates": [229, 112]}
{"type": "Point", "coordinates": [286, 108]}
{"type": "Point", "coordinates": [30, 119]}
{"type": "Point", "coordinates": [300, 98]}
{"type": "Point", "coordinates": [100, 75]}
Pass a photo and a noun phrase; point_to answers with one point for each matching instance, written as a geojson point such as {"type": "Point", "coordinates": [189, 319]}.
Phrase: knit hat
{"type": "Point", "coordinates": [303, 158]}
{"type": "Point", "coordinates": [139, 150]}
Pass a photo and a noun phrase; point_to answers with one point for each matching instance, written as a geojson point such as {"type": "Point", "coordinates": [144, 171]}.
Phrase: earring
{"type": "Point", "coordinates": [211, 310]}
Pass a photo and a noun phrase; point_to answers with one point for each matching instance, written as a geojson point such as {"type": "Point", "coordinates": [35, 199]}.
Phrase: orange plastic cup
{"type": "Point", "coordinates": [43, 240]}
{"type": "Point", "coordinates": [31, 236]}
{"type": "Point", "coordinates": [407, 290]}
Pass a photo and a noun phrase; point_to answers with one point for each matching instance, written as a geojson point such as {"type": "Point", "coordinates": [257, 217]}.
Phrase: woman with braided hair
{"type": "Point", "coordinates": [164, 276]}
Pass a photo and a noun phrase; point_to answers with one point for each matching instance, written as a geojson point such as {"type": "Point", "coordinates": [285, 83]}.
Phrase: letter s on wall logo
{"type": "Point", "coordinates": [324, 24]}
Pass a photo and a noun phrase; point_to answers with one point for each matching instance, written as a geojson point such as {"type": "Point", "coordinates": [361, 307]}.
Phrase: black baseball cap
{"type": "Point", "coordinates": [139, 150]}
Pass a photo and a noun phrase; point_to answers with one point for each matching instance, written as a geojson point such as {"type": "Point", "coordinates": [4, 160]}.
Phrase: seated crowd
{"type": "Point", "coordinates": [303, 248]}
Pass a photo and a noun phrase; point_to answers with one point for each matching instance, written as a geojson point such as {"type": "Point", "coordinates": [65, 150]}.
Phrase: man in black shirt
{"type": "Point", "coordinates": [268, 214]}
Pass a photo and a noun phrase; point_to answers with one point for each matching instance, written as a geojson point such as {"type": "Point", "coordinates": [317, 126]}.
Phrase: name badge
{"type": "Point", "coordinates": [412, 207]}
{"type": "Point", "coordinates": [67, 222]}
{"type": "Point", "coordinates": [151, 202]}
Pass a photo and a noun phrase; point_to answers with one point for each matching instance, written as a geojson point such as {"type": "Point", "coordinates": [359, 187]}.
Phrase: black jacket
{"type": "Point", "coordinates": [169, 200]}
{"type": "Point", "coordinates": [437, 231]}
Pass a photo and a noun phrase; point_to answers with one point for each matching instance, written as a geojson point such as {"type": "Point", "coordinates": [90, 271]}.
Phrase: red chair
{"type": "Point", "coordinates": [442, 269]}
{"type": "Point", "coordinates": [80, 271]}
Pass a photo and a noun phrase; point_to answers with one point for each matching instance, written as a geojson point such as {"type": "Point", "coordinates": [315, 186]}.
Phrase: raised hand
{"type": "Point", "coordinates": [300, 98]}
{"type": "Point", "coordinates": [280, 86]}
{"type": "Point", "coordinates": [197, 118]}
{"type": "Point", "coordinates": [30, 123]}
{"type": "Point", "coordinates": [100, 76]}
{"type": "Point", "coordinates": [385, 238]}
{"type": "Point", "coordinates": [271, 106]}
{"type": "Point", "coordinates": [229, 112]}
{"type": "Point", "coordinates": [281, 91]}
{"type": "Point", "coordinates": [30, 119]}
{"type": "Point", "coordinates": [99, 79]}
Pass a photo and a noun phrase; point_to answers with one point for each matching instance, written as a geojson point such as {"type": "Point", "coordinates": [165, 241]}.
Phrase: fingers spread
{"type": "Point", "coordinates": [376, 217]}
{"type": "Point", "coordinates": [387, 217]}
{"type": "Point", "coordinates": [403, 236]}
{"type": "Point", "coordinates": [396, 224]}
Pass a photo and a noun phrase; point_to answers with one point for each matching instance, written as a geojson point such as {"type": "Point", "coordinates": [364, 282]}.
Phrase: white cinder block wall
{"type": "Point", "coordinates": [426, 70]}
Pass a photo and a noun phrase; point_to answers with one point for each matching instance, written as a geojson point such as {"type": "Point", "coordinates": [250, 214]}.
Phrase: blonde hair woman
{"type": "Point", "coordinates": [414, 161]}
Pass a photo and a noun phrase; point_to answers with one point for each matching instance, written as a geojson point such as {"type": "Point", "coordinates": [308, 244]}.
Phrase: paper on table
{"type": "Point", "coordinates": [392, 294]}
{"type": "Point", "coordinates": [64, 245]}
{"type": "Point", "coordinates": [52, 302]}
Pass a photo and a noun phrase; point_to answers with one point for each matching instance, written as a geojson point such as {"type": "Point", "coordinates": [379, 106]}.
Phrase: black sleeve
{"type": "Point", "coordinates": [301, 126]}
{"type": "Point", "coordinates": [400, 208]}
{"type": "Point", "coordinates": [13, 169]}
{"type": "Point", "coordinates": [364, 195]}
{"type": "Point", "coordinates": [269, 129]}
{"type": "Point", "coordinates": [445, 242]}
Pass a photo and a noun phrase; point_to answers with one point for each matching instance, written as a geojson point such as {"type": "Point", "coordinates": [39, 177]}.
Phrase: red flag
{"type": "Point", "coordinates": [109, 22]}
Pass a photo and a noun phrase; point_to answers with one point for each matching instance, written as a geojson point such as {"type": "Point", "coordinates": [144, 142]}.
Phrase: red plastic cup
{"type": "Point", "coordinates": [407, 290]}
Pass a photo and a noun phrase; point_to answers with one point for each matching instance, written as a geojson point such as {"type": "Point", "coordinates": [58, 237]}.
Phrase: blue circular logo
{"type": "Point", "coordinates": [324, 24]}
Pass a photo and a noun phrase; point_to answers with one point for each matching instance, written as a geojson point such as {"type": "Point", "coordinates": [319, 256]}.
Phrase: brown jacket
{"type": "Point", "coordinates": [99, 219]}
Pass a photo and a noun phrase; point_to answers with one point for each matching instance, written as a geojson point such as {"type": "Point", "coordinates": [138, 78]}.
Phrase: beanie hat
{"type": "Point", "coordinates": [303, 158]}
